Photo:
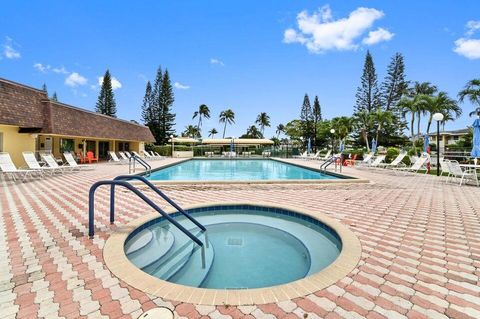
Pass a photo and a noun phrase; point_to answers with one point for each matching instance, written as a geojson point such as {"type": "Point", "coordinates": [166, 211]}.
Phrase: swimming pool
{"type": "Point", "coordinates": [236, 170]}
{"type": "Point", "coordinates": [244, 247]}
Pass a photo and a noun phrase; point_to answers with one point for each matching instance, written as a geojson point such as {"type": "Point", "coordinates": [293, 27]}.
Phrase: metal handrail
{"type": "Point", "coordinates": [156, 190]}
{"type": "Point", "coordinates": [136, 158]}
{"type": "Point", "coordinates": [91, 208]}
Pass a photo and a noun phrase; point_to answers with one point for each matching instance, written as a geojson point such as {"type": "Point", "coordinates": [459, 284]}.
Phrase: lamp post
{"type": "Point", "coordinates": [333, 140]}
{"type": "Point", "coordinates": [438, 117]}
{"type": "Point", "coordinates": [171, 139]}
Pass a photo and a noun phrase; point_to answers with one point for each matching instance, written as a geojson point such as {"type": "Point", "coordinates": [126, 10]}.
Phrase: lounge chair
{"type": "Point", "coordinates": [33, 164]}
{"type": "Point", "coordinates": [456, 171]}
{"type": "Point", "coordinates": [158, 155]}
{"type": "Point", "coordinates": [326, 156]}
{"type": "Point", "coordinates": [378, 160]}
{"type": "Point", "coordinates": [138, 155]}
{"type": "Point", "coordinates": [367, 159]}
{"type": "Point", "coordinates": [127, 154]}
{"type": "Point", "coordinates": [52, 162]}
{"type": "Point", "coordinates": [114, 158]}
{"type": "Point", "coordinates": [152, 155]}
{"type": "Point", "coordinates": [123, 157]}
{"type": "Point", "coordinates": [314, 156]}
{"type": "Point", "coordinates": [418, 165]}
{"type": "Point", "coordinates": [74, 165]}
{"type": "Point", "coordinates": [397, 162]}
{"type": "Point", "coordinates": [303, 155]}
{"type": "Point", "coordinates": [9, 169]}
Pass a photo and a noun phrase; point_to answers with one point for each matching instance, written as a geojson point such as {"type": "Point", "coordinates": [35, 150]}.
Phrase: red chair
{"type": "Point", "coordinates": [81, 158]}
{"type": "Point", "coordinates": [351, 161]}
{"type": "Point", "coordinates": [91, 158]}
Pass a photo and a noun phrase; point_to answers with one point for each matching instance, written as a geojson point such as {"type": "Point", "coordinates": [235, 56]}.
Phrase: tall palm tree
{"type": "Point", "coordinates": [280, 129]}
{"type": "Point", "coordinates": [420, 89]}
{"type": "Point", "coordinates": [472, 93]}
{"type": "Point", "coordinates": [409, 105]}
{"type": "Point", "coordinates": [212, 132]}
{"type": "Point", "coordinates": [364, 122]}
{"type": "Point", "coordinates": [441, 103]}
{"type": "Point", "coordinates": [263, 120]}
{"type": "Point", "coordinates": [203, 111]}
{"type": "Point", "coordinates": [191, 131]}
{"type": "Point", "coordinates": [382, 117]}
{"type": "Point", "coordinates": [227, 117]}
{"type": "Point", "coordinates": [253, 132]}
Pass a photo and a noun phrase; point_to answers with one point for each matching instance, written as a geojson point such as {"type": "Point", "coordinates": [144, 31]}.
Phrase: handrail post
{"type": "Point", "coordinates": [112, 203]}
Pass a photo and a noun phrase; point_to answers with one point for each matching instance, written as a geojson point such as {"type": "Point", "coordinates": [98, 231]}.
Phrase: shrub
{"type": "Point", "coordinates": [392, 152]}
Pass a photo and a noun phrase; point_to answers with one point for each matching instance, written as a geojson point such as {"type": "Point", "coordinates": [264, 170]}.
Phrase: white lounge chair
{"type": "Point", "coordinates": [152, 155]}
{"type": "Point", "coordinates": [124, 156]}
{"type": "Point", "coordinates": [32, 163]}
{"type": "Point", "coordinates": [52, 162]}
{"type": "Point", "coordinates": [114, 158]}
{"type": "Point", "coordinates": [444, 167]}
{"type": "Point", "coordinates": [397, 162]}
{"type": "Point", "coordinates": [158, 155]}
{"type": "Point", "coordinates": [314, 156]}
{"type": "Point", "coordinates": [9, 169]}
{"type": "Point", "coordinates": [457, 172]}
{"type": "Point", "coordinates": [303, 155]}
{"type": "Point", "coordinates": [378, 160]}
{"type": "Point", "coordinates": [367, 159]}
{"type": "Point", "coordinates": [418, 165]}
{"type": "Point", "coordinates": [74, 165]}
{"type": "Point", "coordinates": [138, 155]}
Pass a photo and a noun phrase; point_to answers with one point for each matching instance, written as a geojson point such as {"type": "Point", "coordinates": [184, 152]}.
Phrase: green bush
{"type": "Point", "coordinates": [392, 152]}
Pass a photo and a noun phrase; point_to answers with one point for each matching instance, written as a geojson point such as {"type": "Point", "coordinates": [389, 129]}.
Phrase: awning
{"type": "Point", "coordinates": [237, 141]}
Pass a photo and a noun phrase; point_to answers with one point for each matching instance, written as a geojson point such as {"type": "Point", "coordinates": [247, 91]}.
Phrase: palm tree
{"type": "Point", "coordinates": [203, 111]}
{"type": "Point", "coordinates": [191, 131]}
{"type": "Point", "coordinates": [472, 93]}
{"type": "Point", "coordinates": [280, 129]}
{"type": "Point", "coordinates": [409, 105]}
{"type": "Point", "coordinates": [227, 116]}
{"type": "Point", "coordinates": [440, 103]}
{"type": "Point", "coordinates": [421, 89]}
{"type": "Point", "coordinates": [364, 121]}
{"type": "Point", "coordinates": [263, 120]}
{"type": "Point", "coordinates": [253, 132]}
{"type": "Point", "coordinates": [212, 132]}
{"type": "Point", "coordinates": [382, 117]}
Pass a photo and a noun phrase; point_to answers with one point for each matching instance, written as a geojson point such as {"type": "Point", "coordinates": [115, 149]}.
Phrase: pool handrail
{"type": "Point", "coordinates": [156, 190]}
{"type": "Point", "coordinates": [134, 158]}
{"type": "Point", "coordinates": [91, 208]}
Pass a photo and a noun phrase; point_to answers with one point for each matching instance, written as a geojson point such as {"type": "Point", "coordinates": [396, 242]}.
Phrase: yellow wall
{"type": "Point", "coordinates": [16, 143]}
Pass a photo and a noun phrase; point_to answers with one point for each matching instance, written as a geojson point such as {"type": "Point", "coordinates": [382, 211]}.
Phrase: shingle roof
{"type": "Point", "coordinates": [27, 107]}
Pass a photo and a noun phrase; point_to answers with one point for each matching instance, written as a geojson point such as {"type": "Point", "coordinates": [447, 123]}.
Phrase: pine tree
{"type": "Point", "coordinates": [317, 118]}
{"type": "Point", "coordinates": [167, 118]}
{"type": "Point", "coordinates": [148, 111]}
{"type": "Point", "coordinates": [106, 99]}
{"type": "Point", "coordinates": [44, 88]}
{"type": "Point", "coordinates": [368, 95]}
{"type": "Point", "coordinates": [155, 106]}
{"type": "Point", "coordinates": [306, 118]}
{"type": "Point", "coordinates": [55, 97]}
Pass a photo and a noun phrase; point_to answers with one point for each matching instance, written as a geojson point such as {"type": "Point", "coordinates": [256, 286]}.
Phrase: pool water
{"type": "Point", "coordinates": [249, 247]}
{"type": "Point", "coordinates": [236, 169]}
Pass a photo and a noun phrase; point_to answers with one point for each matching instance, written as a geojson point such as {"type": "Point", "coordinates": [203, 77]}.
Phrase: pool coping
{"type": "Point", "coordinates": [118, 263]}
{"type": "Point", "coordinates": [342, 178]}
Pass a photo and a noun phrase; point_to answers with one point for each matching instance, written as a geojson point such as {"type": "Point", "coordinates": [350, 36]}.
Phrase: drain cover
{"type": "Point", "coordinates": [157, 313]}
{"type": "Point", "coordinates": [234, 241]}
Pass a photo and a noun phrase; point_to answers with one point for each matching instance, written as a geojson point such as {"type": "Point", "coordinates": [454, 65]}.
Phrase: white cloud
{"type": "Point", "coordinates": [319, 32]}
{"type": "Point", "coordinates": [115, 83]}
{"type": "Point", "coordinates": [377, 36]}
{"type": "Point", "coordinates": [179, 86]}
{"type": "Point", "coordinates": [217, 62]}
{"type": "Point", "coordinates": [466, 46]}
{"type": "Point", "coordinates": [75, 79]}
{"type": "Point", "coordinates": [60, 70]}
{"type": "Point", "coordinates": [469, 48]}
{"type": "Point", "coordinates": [472, 27]}
{"type": "Point", "coordinates": [41, 68]}
{"type": "Point", "coordinates": [8, 49]}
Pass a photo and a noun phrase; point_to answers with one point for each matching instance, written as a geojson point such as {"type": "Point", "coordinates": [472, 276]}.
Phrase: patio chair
{"type": "Point", "coordinates": [138, 155]}
{"type": "Point", "coordinates": [82, 158]}
{"type": "Point", "coordinates": [73, 163]}
{"type": "Point", "coordinates": [397, 162]}
{"type": "Point", "coordinates": [465, 174]}
{"type": "Point", "coordinates": [33, 164]}
{"type": "Point", "coordinates": [158, 155]}
{"type": "Point", "coordinates": [350, 161]}
{"type": "Point", "coordinates": [444, 167]}
{"type": "Point", "coordinates": [326, 156]}
{"type": "Point", "coordinates": [418, 165]}
{"type": "Point", "coordinates": [303, 155]}
{"type": "Point", "coordinates": [91, 157]}
{"type": "Point", "coordinates": [314, 156]}
{"type": "Point", "coordinates": [123, 156]}
{"type": "Point", "coordinates": [9, 169]}
{"type": "Point", "coordinates": [378, 160]}
{"type": "Point", "coordinates": [367, 159]}
{"type": "Point", "coordinates": [52, 162]}
{"type": "Point", "coordinates": [152, 155]}
{"type": "Point", "coordinates": [114, 158]}
{"type": "Point", "coordinates": [127, 154]}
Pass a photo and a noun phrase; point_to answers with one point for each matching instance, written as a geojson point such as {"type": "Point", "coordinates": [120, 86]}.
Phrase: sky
{"type": "Point", "coordinates": [250, 56]}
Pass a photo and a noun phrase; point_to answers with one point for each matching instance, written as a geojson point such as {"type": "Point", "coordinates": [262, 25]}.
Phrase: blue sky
{"type": "Point", "coordinates": [250, 56]}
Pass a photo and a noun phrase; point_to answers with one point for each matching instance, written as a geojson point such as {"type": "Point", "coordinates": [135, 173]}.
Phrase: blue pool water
{"type": "Point", "coordinates": [241, 170]}
{"type": "Point", "coordinates": [248, 247]}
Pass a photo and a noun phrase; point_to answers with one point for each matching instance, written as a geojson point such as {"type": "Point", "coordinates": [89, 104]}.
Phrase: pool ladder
{"type": "Point", "coordinates": [122, 180]}
{"type": "Point", "coordinates": [332, 159]}
{"type": "Point", "coordinates": [131, 164]}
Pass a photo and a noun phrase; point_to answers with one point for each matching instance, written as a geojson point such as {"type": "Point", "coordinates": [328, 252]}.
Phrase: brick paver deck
{"type": "Point", "coordinates": [420, 240]}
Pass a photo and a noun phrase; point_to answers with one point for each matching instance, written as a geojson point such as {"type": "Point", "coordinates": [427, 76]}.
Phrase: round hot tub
{"type": "Point", "coordinates": [244, 247]}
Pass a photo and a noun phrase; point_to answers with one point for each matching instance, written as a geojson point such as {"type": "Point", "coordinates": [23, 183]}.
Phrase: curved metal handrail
{"type": "Point", "coordinates": [91, 208]}
{"type": "Point", "coordinates": [134, 158]}
{"type": "Point", "coordinates": [156, 190]}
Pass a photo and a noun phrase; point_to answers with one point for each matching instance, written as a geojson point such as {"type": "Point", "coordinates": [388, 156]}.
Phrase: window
{"type": "Point", "coordinates": [66, 145]}
{"type": "Point", "coordinates": [455, 138]}
{"type": "Point", "coordinates": [1, 142]}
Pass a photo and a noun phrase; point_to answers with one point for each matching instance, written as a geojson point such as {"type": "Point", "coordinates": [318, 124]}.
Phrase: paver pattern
{"type": "Point", "coordinates": [420, 248]}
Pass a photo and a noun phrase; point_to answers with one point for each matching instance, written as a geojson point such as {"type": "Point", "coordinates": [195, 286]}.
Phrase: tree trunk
{"type": "Point", "coordinates": [429, 123]}
{"type": "Point", "coordinates": [224, 128]}
{"type": "Point", "coordinates": [365, 137]}
{"type": "Point", "coordinates": [378, 131]}
{"type": "Point", "coordinates": [412, 122]}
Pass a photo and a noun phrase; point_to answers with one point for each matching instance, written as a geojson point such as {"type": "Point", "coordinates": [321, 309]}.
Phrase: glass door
{"type": "Point", "coordinates": [103, 148]}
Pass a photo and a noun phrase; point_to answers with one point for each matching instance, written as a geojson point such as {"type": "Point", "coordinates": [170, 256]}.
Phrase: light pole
{"type": "Point", "coordinates": [333, 140]}
{"type": "Point", "coordinates": [438, 117]}
{"type": "Point", "coordinates": [171, 139]}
